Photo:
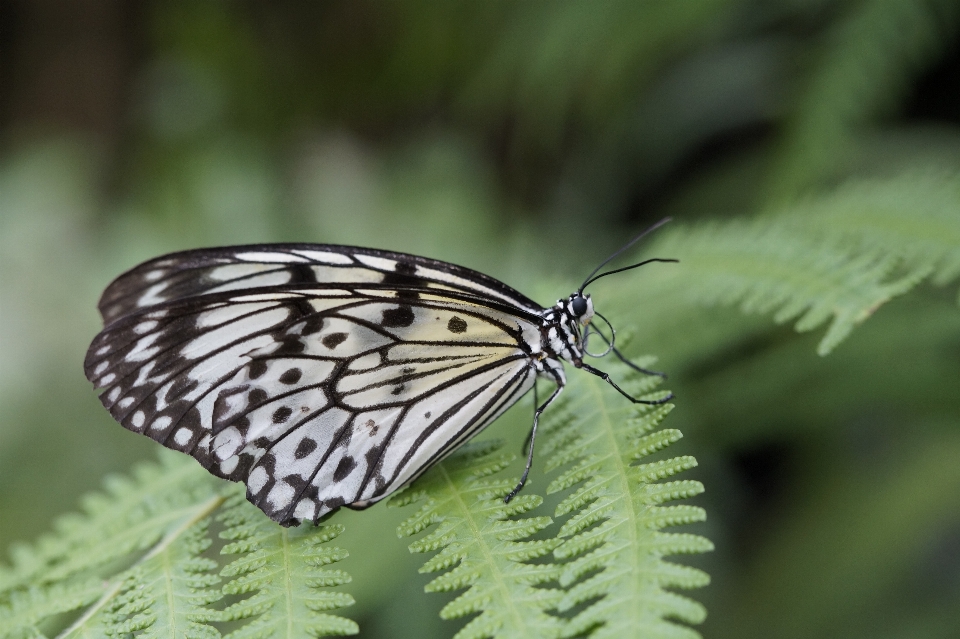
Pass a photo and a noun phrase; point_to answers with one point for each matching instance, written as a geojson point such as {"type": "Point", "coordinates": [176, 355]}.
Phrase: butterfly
{"type": "Point", "coordinates": [324, 376]}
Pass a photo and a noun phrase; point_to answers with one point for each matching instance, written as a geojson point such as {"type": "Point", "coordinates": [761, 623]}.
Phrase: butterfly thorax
{"type": "Point", "coordinates": [561, 330]}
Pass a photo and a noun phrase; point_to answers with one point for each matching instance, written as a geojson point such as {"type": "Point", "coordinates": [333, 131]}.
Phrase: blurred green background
{"type": "Point", "coordinates": [526, 140]}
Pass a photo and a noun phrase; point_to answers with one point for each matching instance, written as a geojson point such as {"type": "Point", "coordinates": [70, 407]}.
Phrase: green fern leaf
{"type": "Point", "coordinates": [91, 558]}
{"type": "Point", "coordinates": [612, 543]}
{"type": "Point", "coordinates": [168, 595]}
{"type": "Point", "coordinates": [833, 259]}
{"type": "Point", "coordinates": [283, 574]}
{"type": "Point", "coordinates": [483, 546]}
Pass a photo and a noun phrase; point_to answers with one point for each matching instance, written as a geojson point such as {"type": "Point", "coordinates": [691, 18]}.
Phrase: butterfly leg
{"type": "Point", "coordinates": [524, 449]}
{"type": "Point", "coordinates": [532, 436]}
{"type": "Point", "coordinates": [606, 377]}
{"type": "Point", "coordinates": [626, 361]}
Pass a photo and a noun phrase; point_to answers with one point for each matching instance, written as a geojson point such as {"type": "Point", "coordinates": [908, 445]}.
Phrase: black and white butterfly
{"type": "Point", "coordinates": [321, 375]}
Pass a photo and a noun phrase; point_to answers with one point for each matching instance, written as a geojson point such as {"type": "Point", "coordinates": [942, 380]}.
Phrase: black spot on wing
{"type": "Point", "coordinates": [305, 447]}
{"type": "Point", "coordinates": [346, 465]}
{"type": "Point", "coordinates": [257, 368]}
{"type": "Point", "coordinates": [333, 340]}
{"type": "Point", "coordinates": [282, 414]}
{"type": "Point", "coordinates": [456, 325]}
{"type": "Point", "coordinates": [291, 376]}
{"type": "Point", "coordinates": [399, 317]}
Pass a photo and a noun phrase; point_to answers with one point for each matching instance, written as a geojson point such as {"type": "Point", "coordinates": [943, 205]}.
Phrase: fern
{"type": "Point", "coordinates": [613, 547]}
{"type": "Point", "coordinates": [168, 594]}
{"type": "Point", "coordinates": [483, 547]}
{"type": "Point", "coordinates": [835, 258]}
{"type": "Point", "coordinates": [84, 561]}
{"type": "Point", "coordinates": [606, 576]}
{"type": "Point", "coordinates": [285, 569]}
{"type": "Point", "coordinates": [133, 564]}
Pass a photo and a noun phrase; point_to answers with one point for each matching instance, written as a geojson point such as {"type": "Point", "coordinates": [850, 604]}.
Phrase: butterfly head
{"type": "Point", "coordinates": [580, 307]}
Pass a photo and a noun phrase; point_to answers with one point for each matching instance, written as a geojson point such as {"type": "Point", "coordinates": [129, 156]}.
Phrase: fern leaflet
{"type": "Point", "coordinates": [835, 258]}
{"type": "Point", "coordinates": [167, 596]}
{"type": "Point", "coordinates": [483, 547]}
{"type": "Point", "coordinates": [86, 563]}
{"type": "Point", "coordinates": [613, 547]}
{"type": "Point", "coordinates": [286, 571]}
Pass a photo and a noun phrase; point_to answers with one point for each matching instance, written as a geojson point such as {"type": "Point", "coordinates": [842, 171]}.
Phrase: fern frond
{"type": "Point", "coordinates": [612, 545]}
{"type": "Point", "coordinates": [87, 562]}
{"type": "Point", "coordinates": [483, 546]}
{"type": "Point", "coordinates": [284, 575]}
{"type": "Point", "coordinates": [865, 68]}
{"type": "Point", "coordinates": [835, 258]}
{"type": "Point", "coordinates": [168, 595]}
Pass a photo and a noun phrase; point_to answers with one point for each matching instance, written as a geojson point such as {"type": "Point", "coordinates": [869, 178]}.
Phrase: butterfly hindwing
{"type": "Point", "coordinates": [209, 271]}
{"type": "Point", "coordinates": [314, 395]}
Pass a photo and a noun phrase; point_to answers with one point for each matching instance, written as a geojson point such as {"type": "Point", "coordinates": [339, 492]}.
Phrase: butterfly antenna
{"type": "Point", "coordinates": [591, 278]}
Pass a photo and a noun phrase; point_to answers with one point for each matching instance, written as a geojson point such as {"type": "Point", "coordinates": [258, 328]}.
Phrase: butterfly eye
{"type": "Point", "coordinates": [578, 305]}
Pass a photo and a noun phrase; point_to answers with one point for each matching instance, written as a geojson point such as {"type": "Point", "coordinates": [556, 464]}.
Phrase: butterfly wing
{"type": "Point", "coordinates": [209, 271]}
{"type": "Point", "coordinates": [314, 395]}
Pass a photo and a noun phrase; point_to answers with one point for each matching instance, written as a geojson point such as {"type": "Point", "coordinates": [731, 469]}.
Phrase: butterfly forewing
{"type": "Point", "coordinates": [316, 395]}
{"type": "Point", "coordinates": [208, 271]}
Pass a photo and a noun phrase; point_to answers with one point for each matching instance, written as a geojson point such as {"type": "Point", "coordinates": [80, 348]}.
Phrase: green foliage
{"type": "Point", "coordinates": [285, 572]}
{"type": "Point", "coordinates": [137, 562]}
{"type": "Point", "coordinates": [606, 576]}
{"type": "Point", "coordinates": [613, 547]}
{"type": "Point", "coordinates": [484, 546]}
{"type": "Point", "coordinates": [809, 152]}
{"type": "Point", "coordinates": [835, 258]}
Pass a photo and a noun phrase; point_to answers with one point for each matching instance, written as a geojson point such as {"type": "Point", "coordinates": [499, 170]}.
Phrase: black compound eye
{"type": "Point", "coordinates": [579, 306]}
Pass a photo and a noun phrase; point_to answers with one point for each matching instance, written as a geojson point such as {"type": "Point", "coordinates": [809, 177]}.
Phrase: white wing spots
{"type": "Point", "coordinates": [145, 327]}
{"type": "Point", "coordinates": [325, 256]}
{"type": "Point", "coordinates": [138, 419]}
{"type": "Point", "coordinates": [264, 256]}
{"type": "Point", "coordinates": [106, 379]}
{"type": "Point", "coordinates": [102, 366]}
{"type": "Point", "coordinates": [126, 403]}
{"type": "Point", "coordinates": [103, 350]}
{"type": "Point", "coordinates": [114, 393]}
{"type": "Point", "coordinates": [154, 275]}
{"type": "Point", "coordinates": [227, 444]}
{"type": "Point", "coordinates": [341, 274]}
{"type": "Point", "coordinates": [141, 350]}
{"type": "Point", "coordinates": [219, 314]}
{"type": "Point", "coordinates": [160, 423]}
{"type": "Point", "coordinates": [159, 314]}
{"type": "Point", "coordinates": [264, 297]}
{"type": "Point", "coordinates": [257, 479]}
{"type": "Point", "coordinates": [183, 436]}
{"type": "Point", "coordinates": [235, 271]}
{"type": "Point", "coordinates": [365, 362]}
{"type": "Point", "coordinates": [305, 510]}
{"type": "Point", "coordinates": [152, 295]}
{"type": "Point", "coordinates": [227, 466]}
{"type": "Point", "coordinates": [381, 263]}
{"type": "Point", "coordinates": [212, 340]}
{"type": "Point", "coordinates": [280, 495]}
{"type": "Point", "coordinates": [275, 277]}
